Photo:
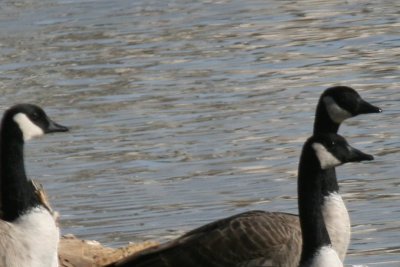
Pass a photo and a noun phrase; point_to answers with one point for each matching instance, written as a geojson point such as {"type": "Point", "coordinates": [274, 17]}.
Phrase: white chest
{"type": "Point", "coordinates": [32, 240]}
{"type": "Point", "coordinates": [326, 257]}
{"type": "Point", "coordinates": [337, 223]}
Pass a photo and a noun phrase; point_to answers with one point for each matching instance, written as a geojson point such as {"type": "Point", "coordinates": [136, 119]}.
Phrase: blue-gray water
{"type": "Point", "coordinates": [183, 112]}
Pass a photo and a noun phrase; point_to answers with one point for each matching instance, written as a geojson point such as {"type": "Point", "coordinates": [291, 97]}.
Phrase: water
{"type": "Point", "coordinates": [183, 112]}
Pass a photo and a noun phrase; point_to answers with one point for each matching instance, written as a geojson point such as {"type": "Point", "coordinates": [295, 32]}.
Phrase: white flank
{"type": "Point", "coordinates": [336, 113]}
{"type": "Point", "coordinates": [28, 128]}
{"type": "Point", "coordinates": [326, 257]}
{"type": "Point", "coordinates": [32, 240]}
{"type": "Point", "coordinates": [326, 159]}
{"type": "Point", "coordinates": [337, 222]}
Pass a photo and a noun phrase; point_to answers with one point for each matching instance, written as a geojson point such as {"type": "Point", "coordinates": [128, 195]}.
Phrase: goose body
{"type": "Point", "coordinates": [28, 232]}
{"type": "Point", "coordinates": [260, 238]}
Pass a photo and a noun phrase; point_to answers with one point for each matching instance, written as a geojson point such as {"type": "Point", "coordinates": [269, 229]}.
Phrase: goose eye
{"type": "Point", "coordinates": [35, 116]}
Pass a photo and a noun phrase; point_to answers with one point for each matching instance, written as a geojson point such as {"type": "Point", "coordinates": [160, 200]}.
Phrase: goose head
{"type": "Point", "coordinates": [29, 121]}
{"type": "Point", "coordinates": [333, 150]}
{"type": "Point", "coordinates": [342, 102]}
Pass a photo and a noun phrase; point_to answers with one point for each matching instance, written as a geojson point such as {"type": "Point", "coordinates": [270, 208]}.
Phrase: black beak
{"type": "Point", "coordinates": [365, 108]}
{"type": "Point", "coordinates": [55, 127]}
{"type": "Point", "coordinates": [356, 155]}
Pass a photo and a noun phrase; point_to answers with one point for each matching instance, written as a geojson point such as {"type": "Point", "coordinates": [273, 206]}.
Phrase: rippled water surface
{"type": "Point", "coordinates": [183, 112]}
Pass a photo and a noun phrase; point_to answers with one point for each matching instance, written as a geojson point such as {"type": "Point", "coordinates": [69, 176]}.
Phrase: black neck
{"type": "Point", "coordinates": [323, 122]}
{"type": "Point", "coordinates": [312, 181]}
{"type": "Point", "coordinates": [329, 183]}
{"type": "Point", "coordinates": [17, 193]}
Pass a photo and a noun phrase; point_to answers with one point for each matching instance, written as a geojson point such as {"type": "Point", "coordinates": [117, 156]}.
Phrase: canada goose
{"type": "Point", "coordinates": [320, 153]}
{"type": "Point", "coordinates": [335, 105]}
{"type": "Point", "coordinates": [28, 232]}
{"type": "Point", "coordinates": [260, 238]}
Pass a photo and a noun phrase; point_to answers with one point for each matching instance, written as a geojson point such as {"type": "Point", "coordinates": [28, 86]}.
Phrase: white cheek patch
{"type": "Point", "coordinates": [28, 128]}
{"type": "Point", "coordinates": [326, 257]}
{"type": "Point", "coordinates": [336, 113]}
{"type": "Point", "coordinates": [326, 159]}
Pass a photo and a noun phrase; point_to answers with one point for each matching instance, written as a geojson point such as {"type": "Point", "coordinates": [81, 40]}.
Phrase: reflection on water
{"type": "Point", "coordinates": [183, 112]}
